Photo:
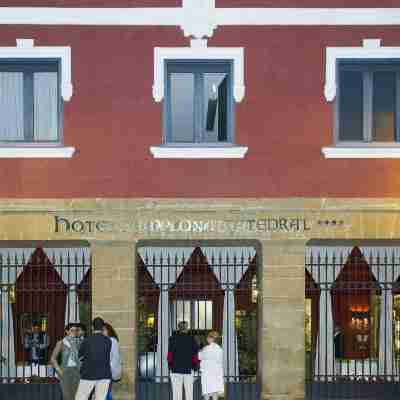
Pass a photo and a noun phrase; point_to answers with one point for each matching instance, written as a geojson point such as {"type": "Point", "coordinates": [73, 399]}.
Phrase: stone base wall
{"type": "Point", "coordinates": [282, 227]}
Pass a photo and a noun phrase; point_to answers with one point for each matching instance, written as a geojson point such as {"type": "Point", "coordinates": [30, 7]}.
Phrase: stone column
{"type": "Point", "coordinates": [282, 364]}
{"type": "Point", "coordinates": [114, 299]}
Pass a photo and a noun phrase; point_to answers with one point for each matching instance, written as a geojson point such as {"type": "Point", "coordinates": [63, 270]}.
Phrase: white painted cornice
{"type": "Point", "coordinates": [26, 49]}
{"type": "Point", "coordinates": [91, 16]}
{"type": "Point", "coordinates": [199, 51]}
{"type": "Point", "coordinates": [308, 16]}
{"type": "Point", "coordinates": [371, 49]}
{"type": "Point", "coordinates": [183, 17]}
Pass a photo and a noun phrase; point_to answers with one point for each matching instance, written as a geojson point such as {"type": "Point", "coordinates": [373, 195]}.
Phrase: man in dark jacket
{"type": "Point", "coordinates": [94, 353]}
{"type": "Point", "coordinates": [182, 360]}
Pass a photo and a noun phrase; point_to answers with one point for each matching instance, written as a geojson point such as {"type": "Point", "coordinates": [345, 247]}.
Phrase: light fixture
{"type": "Point", "coordinates": [11, 294]}
{"type": "Point", "coordinates": [254, 289]}
{"type": "Point", "coordinates": [150, 321]}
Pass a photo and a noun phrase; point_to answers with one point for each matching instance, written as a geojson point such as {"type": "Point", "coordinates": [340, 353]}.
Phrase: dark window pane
{"type": "Point", "coordinates": [351, 106]}
{"type": "Point", "coordinates": [384, 107]}
{"type": "Point", "coordinates": [215, 107]}
{"type": "Point", "coordinates": [182, 107]}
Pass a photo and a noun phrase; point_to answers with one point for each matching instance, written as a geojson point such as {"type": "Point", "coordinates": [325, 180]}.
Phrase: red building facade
{"type": "Point", "coordinates": [284, 190]}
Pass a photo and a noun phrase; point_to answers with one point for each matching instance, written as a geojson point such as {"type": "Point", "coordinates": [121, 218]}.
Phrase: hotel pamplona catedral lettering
{"type": "Point", "coordinates": [268, 224]}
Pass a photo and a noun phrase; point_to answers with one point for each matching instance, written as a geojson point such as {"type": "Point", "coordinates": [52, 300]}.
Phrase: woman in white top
{"type": "Point", "coordinates": [211, 367]}
{"type": "Point", "coordinates": [115, 358]}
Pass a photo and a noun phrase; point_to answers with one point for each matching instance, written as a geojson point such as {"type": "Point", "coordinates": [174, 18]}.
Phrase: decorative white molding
{"type": "Point", "coordinates": [371, 49]}
{"type": "Point", "coordinates": [199, 51]}
{"type": "Point", "coordinates": [198, 152]}
{"type": "Point", "coordinates": [91, 16]}
{"type": "Point", "coordinates": [372, 151]}
{"type": "Point", "coordinates": [175, 16]}
{"type": "Point", "coordinates": [308, 16]}
{"type": "Point", "coordinates": [37, 152]}
{"type": "Point", "coordinates": [199, 18]}
{"type": "Point", "coordinates": [26, 49]}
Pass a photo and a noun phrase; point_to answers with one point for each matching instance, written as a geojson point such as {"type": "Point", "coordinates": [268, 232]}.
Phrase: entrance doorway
{"type": "Point", "coordinates": [210, 287]}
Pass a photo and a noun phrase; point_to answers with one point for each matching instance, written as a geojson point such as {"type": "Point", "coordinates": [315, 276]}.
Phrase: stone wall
{"type": "Point", "coordinates": [282, 227]}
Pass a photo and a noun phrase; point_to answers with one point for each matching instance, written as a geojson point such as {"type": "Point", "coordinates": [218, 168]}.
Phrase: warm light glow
{"type": "Point", "coordinates": [150, 321]}
{"type": "Point", "coordinates": [359, 308]}
{"type": "Point", "coordinates": [44, 325]}
{"type": "Point", "coordinates": [254, 289]}
{"type": "Point", "coordinates": [11, 295]}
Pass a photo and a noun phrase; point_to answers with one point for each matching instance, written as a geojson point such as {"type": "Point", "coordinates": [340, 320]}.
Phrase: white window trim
{"type": "Point", "coordinates": [199, 152]}
{"type": "Point", "coordinates": [37, 152]}
{"type": "Point", "coordinates": [371, 49]}
{"type": "Point", "coordinates": [199, 51]}
{"type": "Point", "coordinates": [370, 150]}
{"type": "Point", "coordinates": [26, 50]}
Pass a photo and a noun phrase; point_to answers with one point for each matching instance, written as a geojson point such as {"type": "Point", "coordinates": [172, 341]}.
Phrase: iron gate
{"type": "Point", "coordinates": [41, 290]}
{"type": "Point", "coordinates": [211, 288]}
{"type": "Point", "coordinates": [352, 323]}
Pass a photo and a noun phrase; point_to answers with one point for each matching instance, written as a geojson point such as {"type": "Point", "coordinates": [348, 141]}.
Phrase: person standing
{"type": "Point", "coordinates": [36, 344]}
{"type": "Point", "coordinates": [211, 367]}
{"type": "Point", "coordinates": [95, 355]}
{"type": "Point", "coordinates": [182, 360]}
{"type": "Point", "coordinates": [68, 371]}
{"type": "Point", "coordinates": [116, 367]}
{"type": "Point", "coordinates": [81, 332]}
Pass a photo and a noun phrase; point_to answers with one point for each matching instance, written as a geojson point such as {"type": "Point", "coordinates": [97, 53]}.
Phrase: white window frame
{"type": "Point", "coordinates": [191, 312]}
{"type": "Point", "coordinates": [198, 51]}
{"type": "Point", "coordinates": [370, 50]}
{"type": "Point", "coordinates": [26, 50]}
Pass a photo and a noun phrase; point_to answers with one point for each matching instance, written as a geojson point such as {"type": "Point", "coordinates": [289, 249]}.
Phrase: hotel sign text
{"type": "Point", "coordinates": [269, 224]}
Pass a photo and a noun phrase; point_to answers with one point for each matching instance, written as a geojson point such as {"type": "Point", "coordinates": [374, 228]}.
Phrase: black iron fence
{"type": "Point", "coordinates": [352, 324]}
{"type": "Point", "coordinates": [210, 288]}
{"type": "Point", "coordinates": [41, 290]}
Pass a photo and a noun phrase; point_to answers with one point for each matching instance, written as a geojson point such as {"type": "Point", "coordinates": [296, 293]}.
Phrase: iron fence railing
{"type": "Point", "coordinates": [352, 324]}
{"type": "Point", "coordinates": [211, 288]}
{"type": "Point", "coordinates": [41, 290]}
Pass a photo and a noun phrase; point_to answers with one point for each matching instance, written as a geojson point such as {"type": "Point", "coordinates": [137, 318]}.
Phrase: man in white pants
{"type": "Point", "coordinates": [182, 360]}
{"type": "Point", "coordinates": [95, 352]}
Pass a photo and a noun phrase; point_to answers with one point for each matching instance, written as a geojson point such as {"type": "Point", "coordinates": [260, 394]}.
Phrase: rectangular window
{"type": "Point", "coordinates": [197, 313]}
{"type": "Point", "coordinates": [30, 102]}
{"type": "Point", "coordinates": [368, 105]}
{"type": "Point", "coordinates": [199, 103]}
